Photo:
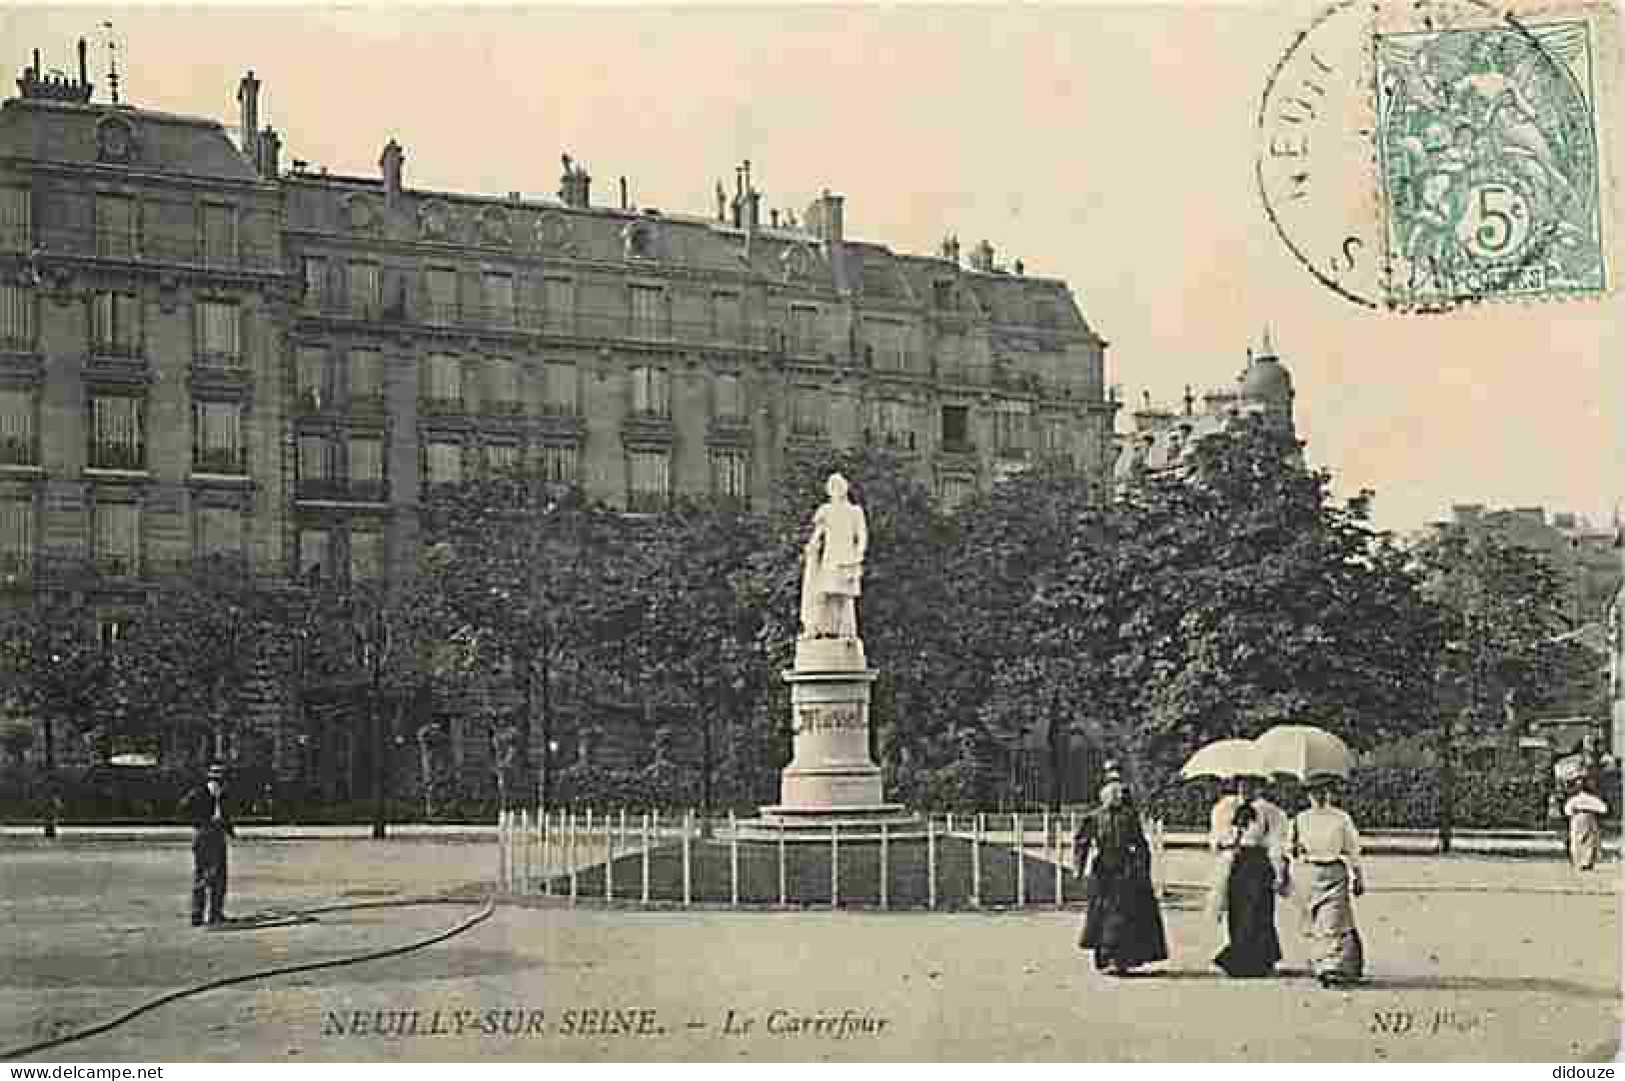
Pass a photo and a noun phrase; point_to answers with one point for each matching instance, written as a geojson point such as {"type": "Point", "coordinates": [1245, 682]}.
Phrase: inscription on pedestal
{"type": "Point", "coordinates": [811, 719]}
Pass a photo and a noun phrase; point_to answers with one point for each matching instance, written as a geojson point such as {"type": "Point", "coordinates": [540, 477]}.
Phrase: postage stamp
{"type": "Point", "coordinates": [1426, 156]}
{"type": "Point", "coordinates": [1488, 145]}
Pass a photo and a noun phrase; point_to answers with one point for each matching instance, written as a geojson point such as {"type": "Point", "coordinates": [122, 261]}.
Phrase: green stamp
{"type": "Point", "coordinates": [1487, 146]}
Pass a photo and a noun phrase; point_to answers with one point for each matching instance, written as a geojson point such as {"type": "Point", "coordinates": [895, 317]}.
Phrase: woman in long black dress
{"type": "Point", "coordinates": [1252, 835]}
{"type": "Point", "coordinates": [1122, 922]}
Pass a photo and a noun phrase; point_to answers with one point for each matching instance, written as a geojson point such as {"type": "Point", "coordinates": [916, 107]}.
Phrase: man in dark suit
{"type": "Point", "coordinates": [205, 808]}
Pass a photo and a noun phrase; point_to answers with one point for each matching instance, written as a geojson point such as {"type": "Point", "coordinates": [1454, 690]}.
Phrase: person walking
{"type": "Point", "coordinates": [1122, 922]}
{"type": "Point", "coordinates": [1584, 810]}
{"type": "Point", "coordinates": [1324, 840]}
{"type": "Point", "coordinates": [1252, 836]}
{"type": "Point", "coordinates": [204, 807]}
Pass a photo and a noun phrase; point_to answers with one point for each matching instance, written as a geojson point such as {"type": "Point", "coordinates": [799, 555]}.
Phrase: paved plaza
{"type": "Point", "coordinates": [1471, 958]}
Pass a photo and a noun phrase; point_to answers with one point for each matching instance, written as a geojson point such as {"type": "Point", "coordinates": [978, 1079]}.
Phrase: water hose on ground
{"type": "Point", "coordinates": [486, 909]}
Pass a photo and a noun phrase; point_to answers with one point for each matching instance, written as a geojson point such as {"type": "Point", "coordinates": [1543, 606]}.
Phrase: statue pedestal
{"type": "Point", "coordinates": [830, 778]}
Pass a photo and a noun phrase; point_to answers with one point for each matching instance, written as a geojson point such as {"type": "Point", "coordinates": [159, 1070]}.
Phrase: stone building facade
{"type": "Point", "coordinates": [204, 353]}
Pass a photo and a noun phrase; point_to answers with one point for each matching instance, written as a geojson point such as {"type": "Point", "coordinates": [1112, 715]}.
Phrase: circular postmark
{"type": "Point", "coordinates": [1417, 157]}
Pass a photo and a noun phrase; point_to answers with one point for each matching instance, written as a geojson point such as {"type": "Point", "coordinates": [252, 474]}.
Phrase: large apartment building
{"type": "Point", "coordinates": [203, 352]}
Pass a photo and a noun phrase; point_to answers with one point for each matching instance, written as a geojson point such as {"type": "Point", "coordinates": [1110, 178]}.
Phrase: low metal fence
{"type": "Point", "coordinates": [977, 861]}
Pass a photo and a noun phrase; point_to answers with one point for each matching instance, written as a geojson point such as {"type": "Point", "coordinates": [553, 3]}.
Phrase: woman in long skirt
{"type": "Point", "coordinates": [1326, 843]}
{"type": "Point", "coordinates": [1251, 840]}
{"type": "Point", "coordinates": [1584, 810]}
{"type": "Point", "coordinates": [1122, 922]}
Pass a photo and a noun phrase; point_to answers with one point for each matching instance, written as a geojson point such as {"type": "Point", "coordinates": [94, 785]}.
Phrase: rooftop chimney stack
{"type": "Point", "coordinates": [575, 186]}
{"type": "Point", "coordinates": [269, 159]}
{"type": "Point", "coordinates": [35, 84]}
{"type": "Point", "coordinates": [826, 217]}
{"type": "Point", "coordinates": [391, 161]}
{"type": "Point", "coordinates": [981, 257]}
{"type": "Point", "coordinates": [84, 67]}
{"type": "Point", "coordinates": [248, 102]}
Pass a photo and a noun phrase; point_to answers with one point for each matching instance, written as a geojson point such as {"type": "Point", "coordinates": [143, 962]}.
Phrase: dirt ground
{"type": "Point", "coordinates": [1470, 959]}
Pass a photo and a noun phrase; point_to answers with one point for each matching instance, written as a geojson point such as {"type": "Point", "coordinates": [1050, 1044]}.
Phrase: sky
{"type": "Point", "coordinates": [1111, 146]}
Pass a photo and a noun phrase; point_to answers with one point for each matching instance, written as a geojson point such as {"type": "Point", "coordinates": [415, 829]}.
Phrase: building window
{"type": "Point", "coordinates": [311, 372]}
{"type": "Point", "coordinates": [888, 345]}
{"type": "Point", "coordinates": [219, 234]}
{"type": "Point", "coordinates": [367, 469]}
{"type": "Point", "coordinates": [219, 533]}
{"type": "Point", "coordinates": [366, 555]}
{"type": "Point", "coordinates": [1012, 428]}
{"type": "Point", "coordinates": [117, 538]}
{"type": "Point", "coordinates": [803, 329]}
{"type": "Point", "coordinates": [220, 339]}
{"type": "Point", "coordinates": [317, 466]}
{"type": "Point", "coordinates": [115, 324]}
{"type": "Point", "coordinates": [1057, 440]}
{"type": "Point", "coordinates": [16, 220]}
{"type": "Point", "coordinates": [314, 269]}
{"type": "Point", "coordinates": [16, 317]}
{"type": "Point", "coordinates": [730, 394]}
{"type": "Point", "coordinates": [499, 299]}
{"type": "Point", "coordinates": [648, 311]}
{"type": "Point", "coordinates": [954, 490]}
{"type": "Point", "coordinates": [502, 386]}
{"type": "Point", "coordinates": [501, 459]}
{"type": "Point", "coordinates": [443, 463]}
{"type": "Point", "coordinates": [649, 480]}
{"type": "Point", "coordinates": [118, 227]}
{"type": "Point", "coordinates": [442, 285]}
{"type": "Point", "coordinates": [19, 440]}
{"type": "Point", "coordinates": [118, 428]}
{"type": "Point", "coordinates": [16, 536]}
{"type": "Point", "coordinates": [366, 289]}
{"type": "Point", "coordinates": [560, 464]}
{"type": "Point", "coordinates": [315, 555]}
{"type": "Point", "coordinates": [217, 438]}
{"type": "Point", "coordinates": [559, 388]}
{"type": "Point", "coordinates": [726, 317]}
{"type": "Point", "coordinates": [366, 378]}
{"type": "Point", "coordinates": [651, 392]}
{"type": "Point", "coordinates": [730, 476]}
{"type": "Point", "coordinates": [808, 415]}
{"type": "Point", "coordinates": [443, 383]}
{"type": "Point", "coordinates": [956, 428]}
{"type": "Point", "coordinates": [891, 424]}
{"type": "Point", "coordinates": [558, 301]}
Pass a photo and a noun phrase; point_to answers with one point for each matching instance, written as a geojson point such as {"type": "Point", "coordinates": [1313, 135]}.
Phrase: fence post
{"type": "Point", "coordinates": [930, 862]}
{"type": "Point", "coordinates": [834, 865]}
{"type": "Point", "coordinates": [688, 871]}
{"type": "Point", "coordinates": [784, 893]}
{"type": "Point", "coordinates": [885, 870]}
{"type": "Point", "coordinates": [733, 860]}
{"type": "Point", "coordinates": [502, 849]}
{"type": "Point", "coordinates": [976, 863]}
{"type": "Point", "coordinates": [1021, 862]}
{"type": "Point", "coordinates": [570, 853]}
{"type": "Point", "coordinates": [609, 861]}
{"type": "Point", "coordinates": [1060, 872]}
{"type": "Point", "coordinates": [646, 842]}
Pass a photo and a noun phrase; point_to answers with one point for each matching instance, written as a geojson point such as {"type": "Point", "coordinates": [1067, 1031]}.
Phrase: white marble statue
{"type": "Point", "coordinates": [832, 566]}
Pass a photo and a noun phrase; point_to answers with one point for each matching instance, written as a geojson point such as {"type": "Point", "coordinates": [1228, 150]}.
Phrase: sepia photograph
{"type": "Point", "coordinates": [808, 532]}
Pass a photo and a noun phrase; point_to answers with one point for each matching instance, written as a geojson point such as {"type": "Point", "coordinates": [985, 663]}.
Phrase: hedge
{"type": "Point", "coordinates": [1404, 797]}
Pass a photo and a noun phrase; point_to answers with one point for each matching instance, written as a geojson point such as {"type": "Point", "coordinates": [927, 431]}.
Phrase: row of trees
{"type": "Point", "coordinates": [1218, 602]}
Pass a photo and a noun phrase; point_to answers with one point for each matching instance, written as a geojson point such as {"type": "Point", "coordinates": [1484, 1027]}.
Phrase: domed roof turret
{"type": "Point", "coordinates": [1266, 379]}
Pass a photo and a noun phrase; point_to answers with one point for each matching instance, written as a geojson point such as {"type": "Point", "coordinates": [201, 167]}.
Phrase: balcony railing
{"type": "Point", "coordinates": [220, 360]}
{"type": "Point", "coordinates": [117, 351]}
{"type": "Point", "coordinates": [118, 565]}
{"type": "Point", "coordinates": [16, 566]}
{"type": "Point", "coordinates": [18, 341]}
{"type": "Point", "coordinates": [441, 407]}
{"type": "Point", "coordinates": [502, 408]}
{"type": "Point", "coordinates": [121, 456]}
{"type": "Point", "coordinates": [19, 452]}
{"type": "Point", "coordinates": [231, 463]}
{"type": "Point", "coordinates": [172, 249]}
{"type": "Point", "coordinates": [342, 490]}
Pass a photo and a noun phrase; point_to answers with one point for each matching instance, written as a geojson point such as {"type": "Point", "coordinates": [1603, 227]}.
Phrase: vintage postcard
{"type": "Point", "coordinates": [620, 533]}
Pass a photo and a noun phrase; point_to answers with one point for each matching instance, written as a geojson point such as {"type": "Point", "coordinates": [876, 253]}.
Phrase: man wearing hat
{"type": "Point", "coordinates": [205, 808]}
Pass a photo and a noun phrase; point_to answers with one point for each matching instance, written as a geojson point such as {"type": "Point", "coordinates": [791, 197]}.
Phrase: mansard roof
{"type": "Point", "coordinates": [119, 137]}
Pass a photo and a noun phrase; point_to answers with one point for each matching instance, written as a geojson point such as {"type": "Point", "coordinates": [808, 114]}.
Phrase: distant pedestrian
{"type": "Point", "coordinates": [1250, 831]}
{"type": "Point", "coordinates": [1122, 922]}
{"type": "Point", "coordinates": [1584, 810]}
{"type": "Point", "coordinates": [205, 808]}
{"type": "Point", "coordinates": [1324, 839]}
